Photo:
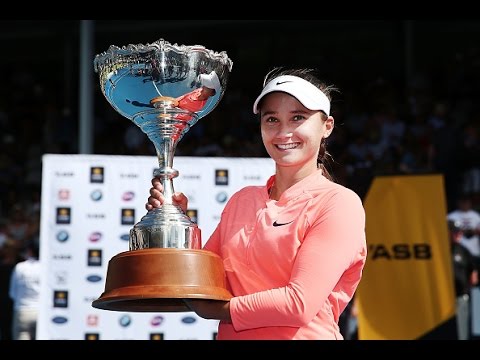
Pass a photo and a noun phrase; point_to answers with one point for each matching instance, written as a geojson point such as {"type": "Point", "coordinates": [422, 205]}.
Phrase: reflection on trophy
{"type": "Point", "coordinates": [164, 89]}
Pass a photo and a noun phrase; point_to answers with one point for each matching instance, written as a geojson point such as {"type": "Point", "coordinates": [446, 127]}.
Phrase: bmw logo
{"type": "Point", "coordinates": [221, 197]}
{"type": "Point", "coordinates": [125, 237]}
{"type": "Point", "coordinates": [125, 320]}
{"type": "Point", "coordinates": [62, 236]}
{"type": "Point", "coordinates": [59, 320]}
{"type": "Point", "coordinates": [188, 320]}
{"type": "Point", "coordinates": [96, 195]}
{"type": "Point", "coordinates": [94, 278]}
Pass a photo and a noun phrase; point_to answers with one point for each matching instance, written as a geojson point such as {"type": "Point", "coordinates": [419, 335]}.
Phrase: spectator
{"type": "Point", "coordinates": [465, 276]}
{"type": "Point", "coordinates": [469, 221]}
{"type": "Point", "coordinates": [24, 291]}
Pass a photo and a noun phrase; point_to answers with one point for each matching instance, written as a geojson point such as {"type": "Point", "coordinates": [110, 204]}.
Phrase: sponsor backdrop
{"type": "Point", "coordinates": [89, 205]}
{"type": "Point", "coordinates": [407, 289]}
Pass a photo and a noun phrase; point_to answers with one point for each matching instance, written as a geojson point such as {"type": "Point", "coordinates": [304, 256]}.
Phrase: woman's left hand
{"type": "Point", "coordinates": [210, 309]}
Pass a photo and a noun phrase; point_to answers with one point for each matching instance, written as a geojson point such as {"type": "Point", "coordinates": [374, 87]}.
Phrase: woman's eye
{"type": "Point", "coordinates": [298, 117]}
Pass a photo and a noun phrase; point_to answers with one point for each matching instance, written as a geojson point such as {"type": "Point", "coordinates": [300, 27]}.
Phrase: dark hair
{"type": "Point", "coordinates": [454, 226]}
{"type": "Point", "coordinates": [33, 248]}
{"type": "Point", "coordinates": [213, 92]}
{"type": "Point", "coordinates": [311, 75]}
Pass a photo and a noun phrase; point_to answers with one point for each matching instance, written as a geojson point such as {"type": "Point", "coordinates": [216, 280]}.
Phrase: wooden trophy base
{"type": "Point", "coordinates": [158, 279]}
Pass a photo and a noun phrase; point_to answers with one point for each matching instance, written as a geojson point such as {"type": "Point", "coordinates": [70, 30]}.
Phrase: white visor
{"type": "Point", "coordinates": [211, 81]}
{"type": "Point", "coordinates": [308, 94]}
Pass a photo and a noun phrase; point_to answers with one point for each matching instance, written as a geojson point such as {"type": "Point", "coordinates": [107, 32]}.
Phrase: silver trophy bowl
{"type": "Point", "coordinates": [164, 89]}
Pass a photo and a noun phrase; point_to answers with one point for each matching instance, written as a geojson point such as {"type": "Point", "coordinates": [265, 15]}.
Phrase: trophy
{"type": "Point", "coordinates": [164, 89]}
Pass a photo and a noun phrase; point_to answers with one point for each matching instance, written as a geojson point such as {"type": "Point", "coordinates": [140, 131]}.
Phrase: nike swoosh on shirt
{"type": "Point", "coordinates": [277, 224]}
{"type": "Point", "coordinates": [283, 82]}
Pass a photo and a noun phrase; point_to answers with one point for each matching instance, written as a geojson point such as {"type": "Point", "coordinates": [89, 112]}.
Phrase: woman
{"type": "Point", "coordinates": [294, 249]}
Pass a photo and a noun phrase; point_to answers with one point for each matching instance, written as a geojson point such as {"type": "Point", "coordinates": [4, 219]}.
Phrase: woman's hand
{"type": "Point", "coordinates": [210, 309]}
{"type": "Point", "coordinates": [156, 198]}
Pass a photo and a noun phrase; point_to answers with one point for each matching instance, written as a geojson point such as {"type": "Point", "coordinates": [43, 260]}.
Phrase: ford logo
{"type": "Point", "coordinates": [62, 236]}
{"type": "Point", "coordinates": [125, 237]}
{"type": "Point", "coordinates": [188, 320]}
{"type": "Point", "coordinates": [59, 320]}
{"type": "Point", "coordinates": [94, 278]}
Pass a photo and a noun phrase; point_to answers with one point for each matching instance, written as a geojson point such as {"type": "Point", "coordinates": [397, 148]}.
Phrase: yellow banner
{"type": "Point", "coordinates": [407, 287]}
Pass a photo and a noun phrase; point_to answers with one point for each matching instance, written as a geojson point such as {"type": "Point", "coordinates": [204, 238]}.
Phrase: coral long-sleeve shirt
{"type": "Point", "coordinates": [292, 265]}
{"type": "Point", "coordinates": [191, 102]}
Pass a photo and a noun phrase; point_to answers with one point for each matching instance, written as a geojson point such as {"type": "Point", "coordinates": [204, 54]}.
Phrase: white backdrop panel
{"type": "Point", "coordinates": [84, 200]}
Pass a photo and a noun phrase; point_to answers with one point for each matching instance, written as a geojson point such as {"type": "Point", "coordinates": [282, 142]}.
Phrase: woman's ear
{"type": "Point", "coordinates": [329, 125]}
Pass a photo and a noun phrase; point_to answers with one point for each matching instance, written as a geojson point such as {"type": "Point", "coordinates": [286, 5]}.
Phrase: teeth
{"type": "Point", "coordinates": [287, 146]}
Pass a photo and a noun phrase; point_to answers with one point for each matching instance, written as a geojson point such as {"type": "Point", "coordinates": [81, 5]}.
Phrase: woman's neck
{"type": "Point", "coordinates": [285, 179]}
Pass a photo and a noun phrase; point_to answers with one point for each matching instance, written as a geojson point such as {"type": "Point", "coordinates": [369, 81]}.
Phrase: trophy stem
{"type": "Point", "coordinates": [167, 226]}
{"type": "Point", "coordinates": [165, 172]}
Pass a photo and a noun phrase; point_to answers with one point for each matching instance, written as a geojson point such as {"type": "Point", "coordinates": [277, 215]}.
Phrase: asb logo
{"type": "Point", "coordinates": [157, 320]}
{"type": "Point", "coordinates": [60, 298]}
{"type": "Point", "coordinates": [92, 336]}
{"type": "Point", "coordinates": [62, 236]}
{"type": "Point", "coordinates": [96, 216]}
{"type": "Point", "coordinates": [125, 320]}
{"type": "Point", "coordinates": [125, 237]}
{"type": "Point", "coordinates": [191, 176]}
{"type": "Point", "coordinates": [188, 320]}
{"type": "Point", "coordinates": [128, 196]}
{"type": "Point", "coordinates": [252, 177]}
{"type": "Point", "coordinates": [59, 320]}
{"type": "Point", "coordinates": [221, 177]}
{"type": "Point", "coordinates": [221, 197]}
{"type": "Point", "coordinates": [94, 257]}
{"type": "Point", "coordinates": [63, 215]}
{"type": "Point", "coordinates": [193, 215]}
{"type": "Point", "coordinates": [400, 251]}
{"type": "Point", "coordinates": [96, 195]}
{"type": "Point", "coordinates": [64, 173]}
{"type": "Point", "coordinates": [156, 336]}
{"type": "Point", "coordinates": [94, 278]}
{"type": "Point", "coordinates": [97, 174]}
{"type": "Point", "coordinates": [61, 256]}
{"type": "Point", "coordinates": [129, 176]}
{"type": "Point", "coordinates": [95, 236]}
{"type": "Point", "coordinates": [128, 216]}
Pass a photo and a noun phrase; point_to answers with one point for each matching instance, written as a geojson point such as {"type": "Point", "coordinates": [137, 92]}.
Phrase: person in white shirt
{"type": "Point", "coordinates": [469, 220]}
{"type": "Point", "coordinates": [24, 291]}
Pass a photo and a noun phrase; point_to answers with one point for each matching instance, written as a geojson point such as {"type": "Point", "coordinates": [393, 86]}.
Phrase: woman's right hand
{"type": "Point", "coordinates": [156, 198]}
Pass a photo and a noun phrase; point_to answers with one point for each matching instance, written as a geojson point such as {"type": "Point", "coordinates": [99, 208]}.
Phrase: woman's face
{"type": "Point", "coordinates": [205, 93]}
{"type": "Point", "coordinates": [292, 133]}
